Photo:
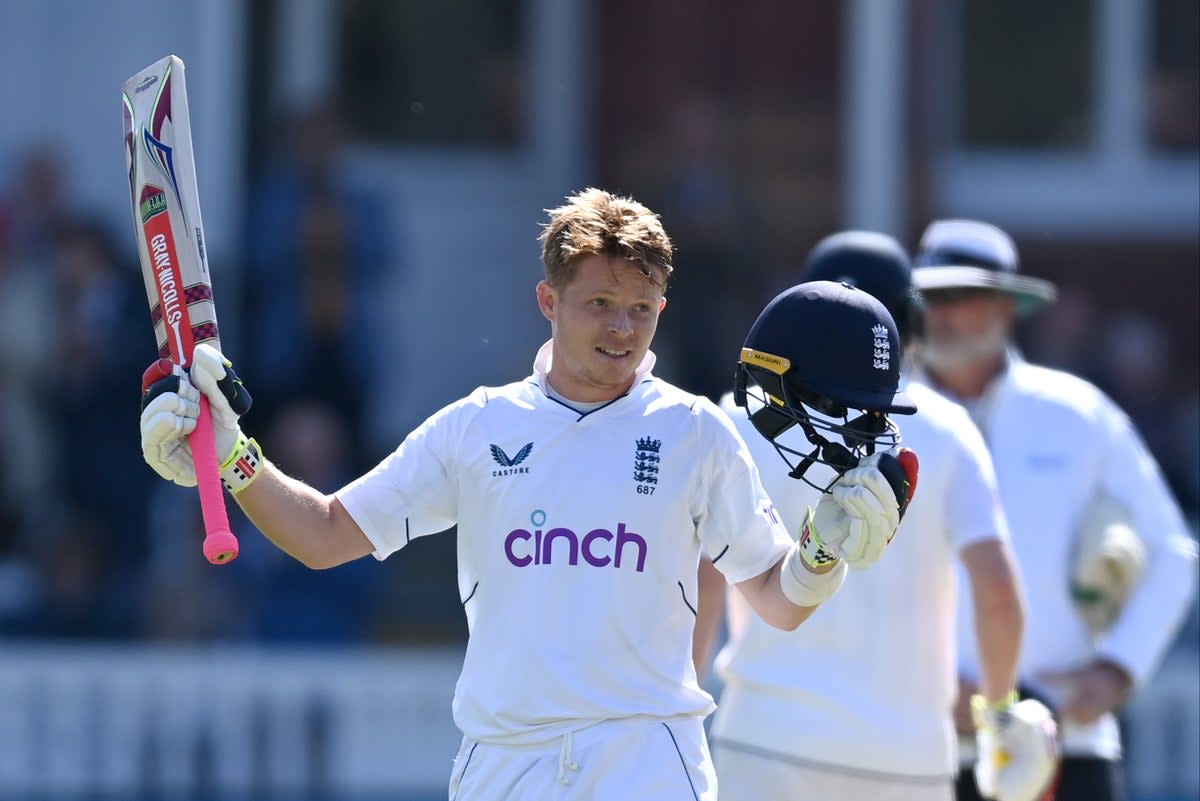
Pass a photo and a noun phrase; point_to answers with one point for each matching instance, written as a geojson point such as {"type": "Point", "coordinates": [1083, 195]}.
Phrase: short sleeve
{"type": "Point", "coordinates": [973, 508]}
{"type": "Point", "coordinates": [737, 523]}
{"type": "Point", "coordinates": [414, 491]}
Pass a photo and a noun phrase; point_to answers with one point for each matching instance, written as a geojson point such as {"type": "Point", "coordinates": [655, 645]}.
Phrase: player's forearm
{"type": "Point", "coordinates": [710, 603]}
{"type": "Point", "coordinates": [999, 628]}
{"type": "Point", "coordinates": [786, 594]}
{"type": "Point", "coordinates": [302, 522]}
{"type": "Point", "coordinates": [999, 622]}
{"type": "Point", "coordinates": [766, 598]}
{"type": "Point", "coordinates": [999, 614]}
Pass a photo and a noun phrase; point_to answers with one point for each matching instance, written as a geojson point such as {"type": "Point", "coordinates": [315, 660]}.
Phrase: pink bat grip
{"type": "Point", "coordinates": [220, 545]}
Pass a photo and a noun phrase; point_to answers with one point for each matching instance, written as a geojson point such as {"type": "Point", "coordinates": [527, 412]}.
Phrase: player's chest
{"type": "Point", "coordinates": [551, 501]}
{"type": "Point", "coordinates": [603, 464]}
{"type": "Point", "coordinates": [1047, 468]}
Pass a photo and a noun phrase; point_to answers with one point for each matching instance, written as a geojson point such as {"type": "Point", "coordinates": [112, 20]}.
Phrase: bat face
{"type": "Point", "coordinates": [164, 258]}
{"type": "Point", "coordinates": [166, 216]}
{"type": "Point", "coordinates": [162, 185]}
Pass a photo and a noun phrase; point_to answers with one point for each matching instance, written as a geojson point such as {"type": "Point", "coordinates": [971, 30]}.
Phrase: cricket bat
{"type": "Point", "coordinates": [170, 236]}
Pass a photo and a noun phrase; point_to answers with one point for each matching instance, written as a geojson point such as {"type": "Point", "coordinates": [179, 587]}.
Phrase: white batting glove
{"type": "Point", "coordinates": [1018, 748]}
{"type": "Point", "coordinates": [167, 420]}
{"type": "Point", "coordinates": [171, 406]}
{"type": "Point", "coordinates": [854, 521]}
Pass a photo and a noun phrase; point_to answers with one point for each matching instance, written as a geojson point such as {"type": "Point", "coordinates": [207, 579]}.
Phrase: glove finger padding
{"type": "Point", "coordinates": [213, 375]}
{"type": "Point", "coordinates": [865, 493]}
{"type": "Point", "coordinates": [862, 501]}
{"type": "Point", "coordinates": [171, 415]}
{"type": "Point", "coordinates": [170, 409]}
{"type": "Point", "coordinates": [857, 518]}
{"type": "Point", "coordinates": [166, 422]}
{"type": "Point", "coordinates": [171, 406]}
{"type": "Point", "coordinates": [867, 532]}
{"type": "Point", "coordinates": [899, 468]}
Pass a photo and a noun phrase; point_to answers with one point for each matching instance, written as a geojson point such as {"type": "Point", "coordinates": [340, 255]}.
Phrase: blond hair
{"type": "Point", "coordinates": [595, 222]}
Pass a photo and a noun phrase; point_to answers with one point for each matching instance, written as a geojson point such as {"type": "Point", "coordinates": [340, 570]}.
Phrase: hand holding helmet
{"type": "Point", "coordinates": [817, 352]}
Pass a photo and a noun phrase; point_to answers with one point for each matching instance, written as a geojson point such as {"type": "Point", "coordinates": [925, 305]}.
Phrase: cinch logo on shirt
{"type": "Point", "coordinates": [501, 458]}
{"type": "Point", "coordinates": [600, 547]}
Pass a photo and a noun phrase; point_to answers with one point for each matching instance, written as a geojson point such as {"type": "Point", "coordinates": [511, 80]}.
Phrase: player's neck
{"type": "Point", "coordinates": [574, 390]}
{"type": "Point", "coordinates": [580, 406]}
{"type": "Point", "coordinates": [971, 381]}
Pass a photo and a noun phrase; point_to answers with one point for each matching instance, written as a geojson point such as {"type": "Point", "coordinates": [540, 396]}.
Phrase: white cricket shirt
{"type": "Point", "coordinates": [868, 681]}
{"type": "Point", "coordinates": [1056, 441]}
{"type": "Point", "coordinates": [579, 539]}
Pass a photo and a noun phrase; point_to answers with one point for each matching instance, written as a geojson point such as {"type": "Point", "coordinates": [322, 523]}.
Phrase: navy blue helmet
{"type": "Point", "coordinates": [818, 353]}
{"type": "Point", "coordinates": [878, 265]}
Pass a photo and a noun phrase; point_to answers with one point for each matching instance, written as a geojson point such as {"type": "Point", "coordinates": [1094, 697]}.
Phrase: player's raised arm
{"type": "Point", "coordinates": [306, 524]}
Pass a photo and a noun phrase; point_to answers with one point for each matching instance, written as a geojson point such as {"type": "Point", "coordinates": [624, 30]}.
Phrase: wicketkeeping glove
{"type": "Point", "coordinates": [1018, 748]}
{"type": "Point", "coordinates": [1109, 558]}
{"type": "Point", "coordinates": [858, 517]}
{"type": "Point", "coordinates": [171, 405]}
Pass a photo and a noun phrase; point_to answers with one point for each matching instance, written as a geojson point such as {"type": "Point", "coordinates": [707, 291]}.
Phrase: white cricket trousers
{"type": "Point", "coordinates": [641, 759]}
{"type": "Point", "coordinates": [753, 776]}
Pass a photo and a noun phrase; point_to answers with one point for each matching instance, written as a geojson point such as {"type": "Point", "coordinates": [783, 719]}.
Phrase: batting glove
{"type": "Point", "coordinates": [1018, 748]}
{"type": "Point", "coordinates": [859, 515]}
{"type": "Point", "coordinates": [171, 406]}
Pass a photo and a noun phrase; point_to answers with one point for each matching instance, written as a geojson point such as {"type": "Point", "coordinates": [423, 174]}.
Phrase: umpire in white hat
{"type": "Point", "coordinates": [1109, 566]}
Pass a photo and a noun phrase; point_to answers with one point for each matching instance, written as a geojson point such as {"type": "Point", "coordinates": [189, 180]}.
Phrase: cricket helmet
{"type": "Point", "coordinates": [818, 352]}
{"type": "Point", "coordinates": [878, 265]}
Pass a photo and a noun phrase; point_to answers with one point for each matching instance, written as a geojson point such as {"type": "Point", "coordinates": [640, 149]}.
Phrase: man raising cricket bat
{"type": "Point", "coordinates": [584, 495]}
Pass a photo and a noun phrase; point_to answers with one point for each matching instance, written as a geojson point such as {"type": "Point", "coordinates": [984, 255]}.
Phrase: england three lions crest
{"type": "Point", "coordinates": [646, 462]}
{"type": "Point", "coordinates": [883, 347]}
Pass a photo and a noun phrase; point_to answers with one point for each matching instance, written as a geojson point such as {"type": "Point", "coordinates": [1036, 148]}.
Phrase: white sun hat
{"type": "Point", "coordinates": [969, 254]}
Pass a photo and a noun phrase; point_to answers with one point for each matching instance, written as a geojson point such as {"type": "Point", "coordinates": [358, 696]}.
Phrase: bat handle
{"type": "Point", "coordinates": [220, 545]}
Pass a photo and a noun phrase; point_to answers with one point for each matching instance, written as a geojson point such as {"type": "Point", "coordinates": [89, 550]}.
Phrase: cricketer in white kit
{"type": "Point", "coordinates": [583, 498]}
{"type": "Point", "coordinates": [1061, 449]}
{"type": "Point", "coordinates": [856, 705]}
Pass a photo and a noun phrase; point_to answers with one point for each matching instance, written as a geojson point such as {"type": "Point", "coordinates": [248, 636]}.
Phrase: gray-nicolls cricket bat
{"type": "Point", "coordinates": [170, 236]}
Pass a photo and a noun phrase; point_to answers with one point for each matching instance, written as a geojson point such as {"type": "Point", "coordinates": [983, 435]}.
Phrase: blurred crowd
{"type": "Point", "coordinates": [93, 545]}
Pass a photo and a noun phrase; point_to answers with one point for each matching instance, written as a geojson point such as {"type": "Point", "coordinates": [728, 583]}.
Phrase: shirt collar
{"type": "Point", "coordinates": [545, 355]}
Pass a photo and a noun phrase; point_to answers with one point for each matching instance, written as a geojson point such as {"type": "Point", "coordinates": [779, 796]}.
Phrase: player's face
{"type": "Point", "coordinates": [964, 329]}
{"type": "Point", "coordinates": [602, 323]}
